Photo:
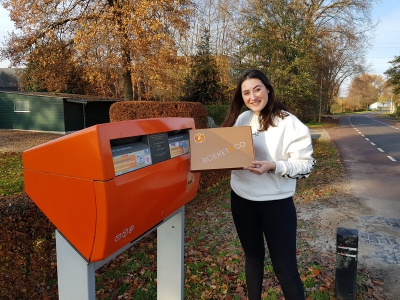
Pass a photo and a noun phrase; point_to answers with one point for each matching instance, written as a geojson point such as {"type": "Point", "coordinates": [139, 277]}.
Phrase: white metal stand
{"type": "Point", "coordinates": [76, 276]}
{"type": "Point", "coordinates": [170, 258]}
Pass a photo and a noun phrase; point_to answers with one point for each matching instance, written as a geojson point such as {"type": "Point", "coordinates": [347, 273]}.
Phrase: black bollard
{"type": "Point", "coordinates": [346, 263]}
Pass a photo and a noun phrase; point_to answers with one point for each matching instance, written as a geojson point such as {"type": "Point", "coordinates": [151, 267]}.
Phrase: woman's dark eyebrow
{"type": "Point", "coordinates": [258, 85]}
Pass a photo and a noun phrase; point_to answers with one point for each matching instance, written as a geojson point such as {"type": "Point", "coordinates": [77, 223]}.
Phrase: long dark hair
{"type": "Point", "coordinates": [273, 108]}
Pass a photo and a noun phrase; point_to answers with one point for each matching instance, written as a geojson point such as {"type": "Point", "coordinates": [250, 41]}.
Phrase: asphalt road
{"type": "Point", "coordinates": [369, 145]}
{"type": "Point", "coordinates": [381, 133]}
{"type": "Point", "coordinates": [370, 148]}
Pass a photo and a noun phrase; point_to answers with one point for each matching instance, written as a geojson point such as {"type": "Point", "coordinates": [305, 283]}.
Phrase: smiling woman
{"type": "Point", "coordinates": [255, 95]}
{"type": "Point", "coordinates": [262, 196]}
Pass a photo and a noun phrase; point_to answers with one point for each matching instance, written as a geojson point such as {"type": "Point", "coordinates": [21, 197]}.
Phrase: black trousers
{"type": "Point", "coordinates": [276, 221]}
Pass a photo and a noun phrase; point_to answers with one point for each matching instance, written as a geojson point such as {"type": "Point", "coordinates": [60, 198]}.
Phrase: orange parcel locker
{"type": "Point", "coordinates": [106, 185]}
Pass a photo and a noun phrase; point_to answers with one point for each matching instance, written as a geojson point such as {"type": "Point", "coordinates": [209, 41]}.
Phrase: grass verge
{"type": "Point", "coordinates": [11, 173]}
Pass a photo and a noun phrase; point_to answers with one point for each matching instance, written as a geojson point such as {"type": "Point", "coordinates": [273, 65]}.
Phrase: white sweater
{"type": "Point", "coordinates": [288, 145]}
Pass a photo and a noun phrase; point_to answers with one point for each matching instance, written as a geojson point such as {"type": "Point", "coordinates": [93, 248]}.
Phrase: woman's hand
{"type": "Point", "coordinates": [261, 167]}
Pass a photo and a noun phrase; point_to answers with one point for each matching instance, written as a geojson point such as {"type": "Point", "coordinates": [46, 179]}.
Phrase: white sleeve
{"type": "Point", "coordinates": [299, 150]}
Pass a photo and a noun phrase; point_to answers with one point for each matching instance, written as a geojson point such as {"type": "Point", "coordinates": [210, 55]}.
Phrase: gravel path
{"type": "Point", "coordinates": [20, 140]}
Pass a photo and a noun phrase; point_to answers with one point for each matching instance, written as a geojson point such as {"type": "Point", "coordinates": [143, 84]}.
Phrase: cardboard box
{"type": "Point", "coordinates": [221, 148]}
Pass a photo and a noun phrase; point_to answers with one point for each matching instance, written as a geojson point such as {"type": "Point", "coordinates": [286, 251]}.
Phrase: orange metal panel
{"type": "Point", "coordinates": [86, 153]}
{"type": "Point", "coordinates": [69, 203]}
{"type": "Point", "coordinates": [76, 155]}
{"type": "Point", "coordinates": [130, 205]}
{"type": "Point", "coordinates": [72, 180]}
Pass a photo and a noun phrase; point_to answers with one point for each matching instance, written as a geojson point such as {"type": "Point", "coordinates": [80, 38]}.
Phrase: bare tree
{"type": "Point", "coordinates": [365, 89]}
{"type": "Point", "coordinates": [309, 47]}
{"type": "Point", "coordinates": [220, 18]}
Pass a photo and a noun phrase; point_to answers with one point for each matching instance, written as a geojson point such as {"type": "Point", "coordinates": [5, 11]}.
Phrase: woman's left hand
{"type": "Point", "coordinates": [261, 167]}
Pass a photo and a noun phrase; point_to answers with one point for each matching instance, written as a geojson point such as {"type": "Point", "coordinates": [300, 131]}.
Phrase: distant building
{"type": "Point", "coordinates": [376, 105]}
{"type": "Point", "coordinates": [62, 113]}
{"type": "Point", "coordinates": [388, 104]}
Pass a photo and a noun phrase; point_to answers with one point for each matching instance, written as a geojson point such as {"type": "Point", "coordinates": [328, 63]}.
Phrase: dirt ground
{"type": "Point", "coordinates": [347, 211]}
{"type": "Point", "coordinates": [18, 141]}
{"type": "Point", "coordinates": [379, 237]}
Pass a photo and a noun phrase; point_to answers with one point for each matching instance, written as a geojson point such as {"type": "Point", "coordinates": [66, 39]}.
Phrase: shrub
{"type": "Point", "coordinates": [217, 112]}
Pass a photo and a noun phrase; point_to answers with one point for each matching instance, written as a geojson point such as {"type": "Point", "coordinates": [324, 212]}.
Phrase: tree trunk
{"type": "Point", "coordinates": [128, 90]}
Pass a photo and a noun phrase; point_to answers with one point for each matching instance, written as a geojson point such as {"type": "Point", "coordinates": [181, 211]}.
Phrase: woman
{"type": "Point", "coordinates": [261, 196]}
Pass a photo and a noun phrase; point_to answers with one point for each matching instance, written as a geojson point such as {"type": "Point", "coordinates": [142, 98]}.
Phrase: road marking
{"type": "Point", "coordinates": [391, 158]}
{"type": "Point", "coordinates": [379, 122]}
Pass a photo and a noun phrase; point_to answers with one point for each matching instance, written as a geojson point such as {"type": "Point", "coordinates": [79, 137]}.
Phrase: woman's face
{"type": "Point", "coordinates": [255, 94]}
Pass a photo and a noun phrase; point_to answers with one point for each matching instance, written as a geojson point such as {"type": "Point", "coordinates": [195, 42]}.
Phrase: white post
{"type": "Point", "coordinates": [76, 277]}
{"type": "Point", "coordinates": [170, 257]}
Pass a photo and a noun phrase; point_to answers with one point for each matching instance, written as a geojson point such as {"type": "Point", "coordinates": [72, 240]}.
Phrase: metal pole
{"type": "Point", "coordinates": [342, 103]}
{"type": "Point", "coordinates": [320, 102]}
{"type": "Point", "coordinates": [346, 264]}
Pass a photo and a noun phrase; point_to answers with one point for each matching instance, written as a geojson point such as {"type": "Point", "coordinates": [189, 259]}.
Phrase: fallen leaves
{"type": "Point", "coordinates": [214, 260]}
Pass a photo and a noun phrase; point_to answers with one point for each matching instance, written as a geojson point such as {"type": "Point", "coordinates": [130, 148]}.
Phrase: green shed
{"type": "Point", "coordinates": [62, 113]}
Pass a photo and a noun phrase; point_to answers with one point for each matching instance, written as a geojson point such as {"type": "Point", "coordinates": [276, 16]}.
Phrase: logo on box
{"type": "Point", "coordinates": [199, 137]}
